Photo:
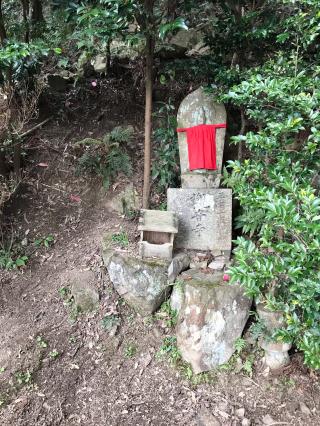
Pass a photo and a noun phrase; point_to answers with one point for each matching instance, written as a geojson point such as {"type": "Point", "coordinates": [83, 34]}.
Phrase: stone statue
{"type": "Point", "coordinates": [199, 108]}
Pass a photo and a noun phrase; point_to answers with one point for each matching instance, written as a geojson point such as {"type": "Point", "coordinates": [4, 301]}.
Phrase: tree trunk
{"type": "Point", "coordinates": [37, 12]}
{"type": "Point", "coordinates": [3, 33]}
{"type": "Point", "coordinates": [3, 36]}
{"type": "Point", "coordinates": [25, 14]}
{"type": "Point", "coordinates": [148, 106]}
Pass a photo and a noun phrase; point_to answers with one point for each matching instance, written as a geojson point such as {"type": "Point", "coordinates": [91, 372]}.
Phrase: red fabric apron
{"type": "Point", "coordinates": [201, 141]}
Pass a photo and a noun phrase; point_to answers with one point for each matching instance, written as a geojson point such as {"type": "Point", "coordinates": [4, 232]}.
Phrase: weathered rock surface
{"type": "Point", "coordinates": [143, 283]}
{"type": "Point", "coordinates": [198, 264]}
{"type": "Point", "coordinates": [100, 63]}
{"type": "Point", "coordinates": [211, 316]}
{"type": "Point", "coordinates": [180, 262]}
{"type": "Point", "coordinates": [127, 200]}
{"type": "Point", "coordinates": [217, 264]}
{"type": "Point", "coordinates": [84, 290]}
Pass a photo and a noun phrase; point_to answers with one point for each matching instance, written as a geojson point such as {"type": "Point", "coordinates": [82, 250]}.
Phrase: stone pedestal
{"type": "Point", "coordinates": [205, 218]}
{"type": "Point", "coordinates": [199, 108]}
{"type": "Point", "coordinates": [211, 316]}
{"type": "Point", "coordinates": [276, 354]}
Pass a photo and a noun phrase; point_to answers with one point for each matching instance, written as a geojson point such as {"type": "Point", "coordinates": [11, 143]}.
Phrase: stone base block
{"type": "Point", "coordinates": [205, 218]}
{"type": "Point", "coordinates": [276, 354]}
{"type": "Point", "coordinates": [201, 180]}
{"type": "Point", "coordinates": [211, 316]}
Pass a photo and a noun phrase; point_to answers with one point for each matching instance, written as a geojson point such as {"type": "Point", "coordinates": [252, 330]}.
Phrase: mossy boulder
{"type": "Point", "coordinates": [143, 283]}
{"type": "Point", "coordinates": [125, 202]}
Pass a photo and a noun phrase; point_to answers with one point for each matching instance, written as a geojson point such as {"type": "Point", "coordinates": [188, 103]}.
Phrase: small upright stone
{"type": "Point", "coordinates": [83, 289]}
{"type": "Point", "coordinates": [217, 265]}
{"type": "Point", "coordinates": [180, 262]}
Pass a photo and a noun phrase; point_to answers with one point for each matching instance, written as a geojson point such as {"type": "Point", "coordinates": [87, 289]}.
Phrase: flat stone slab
{"type": "Point", "coordinates": [205, 218]}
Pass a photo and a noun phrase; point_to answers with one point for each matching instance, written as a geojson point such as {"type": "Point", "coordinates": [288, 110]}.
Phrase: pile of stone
{"type": "Point", "coordinates": [211, 313]}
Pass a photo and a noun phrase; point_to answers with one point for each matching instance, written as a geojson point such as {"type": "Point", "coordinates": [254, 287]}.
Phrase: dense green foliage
{"type": "Point", "coordinates": [277, 259]}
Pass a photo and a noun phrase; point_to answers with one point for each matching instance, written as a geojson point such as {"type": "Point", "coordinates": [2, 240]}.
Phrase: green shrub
{"type": "Point", "coordinates": [12, 254]}
{"type": "Point", "coordinates": [277, 259]}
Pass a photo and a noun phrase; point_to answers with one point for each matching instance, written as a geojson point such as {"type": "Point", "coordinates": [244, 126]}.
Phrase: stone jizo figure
{"type": "Point", "coordinates": [196, 110]}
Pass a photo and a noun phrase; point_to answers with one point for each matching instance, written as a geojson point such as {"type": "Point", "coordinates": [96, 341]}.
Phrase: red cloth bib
{"type": "Point", "coordinates": [201, 141]}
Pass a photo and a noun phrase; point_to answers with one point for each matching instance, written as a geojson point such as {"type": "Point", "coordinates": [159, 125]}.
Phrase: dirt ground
{"type": "Point", "coordinates": [58, 369]}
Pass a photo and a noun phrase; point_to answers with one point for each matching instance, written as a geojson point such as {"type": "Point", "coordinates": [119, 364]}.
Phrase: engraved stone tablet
{"type": "Point", "coordinates": [199, 108]}
{"type": "Point", "coordinates": [205, 218]}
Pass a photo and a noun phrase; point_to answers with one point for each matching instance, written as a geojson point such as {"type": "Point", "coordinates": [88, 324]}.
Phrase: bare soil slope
{"type": "Point", "coordinates": [75, 373]}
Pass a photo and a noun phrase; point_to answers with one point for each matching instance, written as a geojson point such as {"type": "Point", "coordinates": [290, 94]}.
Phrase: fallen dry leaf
{"type": "Point", "coordinates": [75, 198]}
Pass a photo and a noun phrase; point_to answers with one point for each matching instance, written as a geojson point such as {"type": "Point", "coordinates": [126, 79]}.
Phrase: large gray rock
{"type": "Point", "coordinates": [143, 283]}
{"type": "Point", "coordinates": [211, 316]}
{"type": "Point", "coordinates": [84, 290]}
{"type": "Point", "coordinates": [205, 218]}
{"type": "Point", "coordinates": [199, 108]}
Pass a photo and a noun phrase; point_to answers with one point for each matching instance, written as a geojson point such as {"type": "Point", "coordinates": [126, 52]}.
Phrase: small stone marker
{"type": "Point", "coordinates": [158, 229]}
{"type": "Point", "coordinates": [84, 290]}
{"type": "Point", "coordinates": [199, 108]}
{"type": "Point", "coordinates": [205, 218]}
{"type": "Point", "coordinates": [217, 265]}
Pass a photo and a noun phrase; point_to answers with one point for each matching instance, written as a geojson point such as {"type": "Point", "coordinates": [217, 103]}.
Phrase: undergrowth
{"type": "Point", "coordinates": [108, 157]}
